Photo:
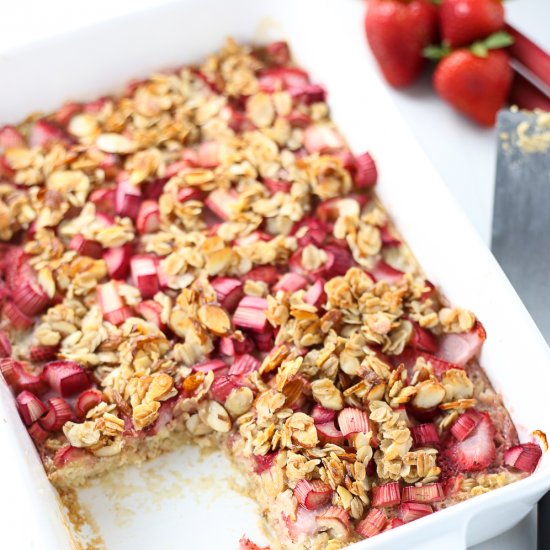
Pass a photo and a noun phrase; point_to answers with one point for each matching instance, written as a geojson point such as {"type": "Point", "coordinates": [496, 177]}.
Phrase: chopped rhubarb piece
{"type": "Point", "coordinates": [151, 311]}
{"type": "Point", "coordinates": [18, 378]}
{"type": "Point", "coordinates": [278, 53]}
{"type": "Point", "coordinates": [154, 189]}
{"type": "Point", "coordinates": [524, 457]}
{"type": "Point", "coordinates": [45, 131]}
{"type": "Point", "coordinates": [385, 272]}
{"type": "Point", "coordinates": [38, 354]}
{"type": "Point", "coordinates": [329, 433]}
{"type": "Point", "coordinates": [118, 316]}
{"type": "Point", "coordinates": [277, 185]}
{"type": "Point", "coordinates": [265, 273]}
{"type": "Point", "coordinates": [309, 93]}
{"type": "Point", "coordinates": [272, 80]}
{"type": "Point", "coordinates": [465, 424]}
{"type": "Point", "coordinates": [148, 217]}
{"type": "Point", "coordinates": [16, 317]}
{"type": "Point", "coordinates": [322, 138]}
{"type": "Point", "coordinates": [104, 199]}
{"type": "Point", "coordinates": [250, 313]}
{"type": "Point", "coordinates": [87, 400]}
{"type": "Point", "coordinates": [209, 365]}
{"type": "Point", "coordinates": [342, 260]}
{"type": "Point", "coordinates": [66, 377]}
{"type": "Point", "coordinates": [58, 413]}
{"type": "Point", "coordinates": [118, 261]}
{"type": "Point", "coordinates": [228, 292]}
{"type": "Point", "coordinates": [5, 345]}
{"type": "Point", "coordinates": [432, 492]}
{"type": "Point", "coordinates": [314, 230]}
{"type": "Point", "coordinates": [104, 220]}
{"type": "Point", "coordinates": [352, 421]}
{"type": "Point", "coordinates": [460, 348]}
{"type": "Point", "coordinates": [85, 247]}
{"type": "Point", "coordinates": [298, 119]}
{"type": "Point", "coordinates": [366, 174]}
{"type": "Point", "coordinates": [336, 520]}
{"type": "Point", "coordinates": [290, 282]}
{"type": "Point", "coordinates": [374, 523]}
{"type": "Point", "coordinates": [109, 299]}
{"type": "Point", "coordinates": [388, 494]}
{"type": "Point", "coordinates": [425, 435]}
{"type": "Point", "coordinates": [477, 451]}
{"type": "Point", "coordinates": [315, 294]}
{"type": "Point", "coordinates": [221, 202]}
{"type": "Point", "coordinates": [29, 296]}
{"type": "Point", "coordinates": [223, 386]}
{"type": "Point", "coordinates": [37, 433]}
{"type": "Point", "coordinates": [13, 259]}
{"type": "Point", "coordinates": [263, 463]}
{"type": "Point", "coordinates": [30, 407]}
{"type": "Point", "coordinates": [321, 415]}
{"type": "Point", "coordinates": [264, 340]}
{"type": "Point", "coordinates": [409, 511]}
{"type": "Point", "coordinates": [394, 522]}
{"type": "Point", "coordinates": [312, 494]}
{"type": "Point", "coordinates": [127, 199]}
{"type": "Point", "coordinates": [144, 275]}
{"type": "Point", "coordinates": [10, 138]}
{"type": "Point", "coordinates": [243, 365]}
{"type": "Point", "coordinates": [422, 339]}
{"type": "Point", "coordinates": [69, 454]}
{"type": "Point", "coordinates": [66, 112]}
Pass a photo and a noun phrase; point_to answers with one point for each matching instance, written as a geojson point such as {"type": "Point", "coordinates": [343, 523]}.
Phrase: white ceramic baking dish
{"type": "Point", "coordinates": [188, 505]}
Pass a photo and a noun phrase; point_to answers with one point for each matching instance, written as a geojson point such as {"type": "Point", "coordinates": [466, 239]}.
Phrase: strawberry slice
{"type": "Point", "coordinates": [475, 453]}
{"type": "Point", "coordinates": [462, 347]}
{"type": "Point", "coordinates": [322, 138]}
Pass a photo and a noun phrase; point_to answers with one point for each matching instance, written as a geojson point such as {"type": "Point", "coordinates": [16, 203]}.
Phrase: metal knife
{"type": "Point", "coordinates": [521, 228]}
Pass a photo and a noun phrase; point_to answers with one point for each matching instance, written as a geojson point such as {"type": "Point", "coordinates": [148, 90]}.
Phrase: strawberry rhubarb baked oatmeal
{"type": "Point", "coordinates": [202, 259]}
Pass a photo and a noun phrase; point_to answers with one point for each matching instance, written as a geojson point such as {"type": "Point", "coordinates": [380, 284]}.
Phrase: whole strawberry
{"type": "Point", "coordinates": [476, 81]}
{"type": "Point", "coordinates": [397, 31]}
{"type": "Point", "coordinates": [465, 21]}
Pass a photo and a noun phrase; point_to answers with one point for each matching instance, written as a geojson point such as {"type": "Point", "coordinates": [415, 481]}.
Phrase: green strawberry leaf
{"type": "Point", "coordinates": [436, 52]}
{"type": "Point", "coordinates": [498, 40]}
{"type": "Point", "coordinates": [493, 42]}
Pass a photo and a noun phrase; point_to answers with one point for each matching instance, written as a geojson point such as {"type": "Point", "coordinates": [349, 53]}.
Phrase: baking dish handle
{"type": "Point", "coordinates": [451, 540]}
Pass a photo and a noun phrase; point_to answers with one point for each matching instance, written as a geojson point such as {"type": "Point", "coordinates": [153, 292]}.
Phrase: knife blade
{"type": "Point", "coordinates": [521, 219]}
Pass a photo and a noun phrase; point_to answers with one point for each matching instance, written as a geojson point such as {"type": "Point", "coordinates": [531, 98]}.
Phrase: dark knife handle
{"type": "Point", "coordinates": [543, 523]}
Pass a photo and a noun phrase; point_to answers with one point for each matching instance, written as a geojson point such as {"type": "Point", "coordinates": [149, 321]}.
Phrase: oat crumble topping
{"type": "Point", "coordinates": [204, 251]}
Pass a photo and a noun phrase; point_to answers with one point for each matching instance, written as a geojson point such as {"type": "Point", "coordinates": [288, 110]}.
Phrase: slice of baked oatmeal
{"type": "Point", "coordinates": [202, 259]}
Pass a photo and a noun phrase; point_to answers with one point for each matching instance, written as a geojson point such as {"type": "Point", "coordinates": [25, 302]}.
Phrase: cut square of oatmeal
{"type": "Point", "coordinates": [202, 259]}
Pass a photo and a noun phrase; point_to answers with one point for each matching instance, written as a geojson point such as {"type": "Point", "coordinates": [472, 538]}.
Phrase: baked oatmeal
{"type": "Point", "coordinates": [202, 259]}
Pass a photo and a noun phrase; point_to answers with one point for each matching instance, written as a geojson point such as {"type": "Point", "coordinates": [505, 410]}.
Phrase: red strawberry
{"type": "Point", "coordinates": [477, 86]}
{"type": "Point", "coordinates": [397, 32]}
{"type": "Point", "coordinates": [476, 452]}
{"type": "Point", "coordinates": [465, 21]}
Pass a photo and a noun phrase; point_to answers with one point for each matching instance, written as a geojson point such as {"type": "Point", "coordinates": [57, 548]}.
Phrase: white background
{"type": "Point", "coordinates": [463, 153]}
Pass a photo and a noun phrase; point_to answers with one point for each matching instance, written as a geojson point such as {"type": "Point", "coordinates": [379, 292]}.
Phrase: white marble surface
{"type": "Point", "coordinates": [463, 153]}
